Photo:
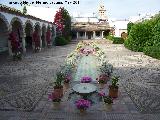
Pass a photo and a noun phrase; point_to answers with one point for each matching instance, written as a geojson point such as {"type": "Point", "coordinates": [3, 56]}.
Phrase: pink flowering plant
{"type": "Point", "coordinates": [67, 79]}
{"type": "Point", "coordinates": [101, 94]}
{"type": "Point", "coordinates": [86, 79]}
{"type": "Point", "coordinates": [83, 104]}
{"type": "Point", "coordinates": [103, 78]}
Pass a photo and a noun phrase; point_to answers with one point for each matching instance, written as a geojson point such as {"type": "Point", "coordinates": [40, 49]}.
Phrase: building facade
{"type": "Point", "coordinates": [91, 27]}
{"type": "Point", "coordinates": [24, 26]}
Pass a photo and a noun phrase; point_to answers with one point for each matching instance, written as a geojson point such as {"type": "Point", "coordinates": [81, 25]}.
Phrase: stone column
{"type": "Point", "coordinates": [102, 34]}
{"type": "Point", "coordinates": [40, 34]}
{"type": "Point", "coordinates": [94, 34]}
{"type": "Point", "coordinates": [77, 35]}
{"type": "Point", "coordinates": [9, 48]}
{"type": "Point", "coordinates": [85, 35]}
{"type": "Point", "coordinates": [24, 43]}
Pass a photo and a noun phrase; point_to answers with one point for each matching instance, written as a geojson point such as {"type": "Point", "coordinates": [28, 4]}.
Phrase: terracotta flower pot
{"type": "Point", "coordinates": [66, 86]}
{"type": "Point", "coordinates": [82, 111]}
{"type": "Point", "coordinates": [58, 92]}
{"type": "Point", "coordinates": [113, 92]}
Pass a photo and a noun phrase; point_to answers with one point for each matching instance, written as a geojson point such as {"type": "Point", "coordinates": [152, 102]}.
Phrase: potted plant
{"type": "Point", "coordinates": [83, 104]}
{"type": "Point", "coordinates": [101, 94]}
{"type": "Point", "coordinates": [56, 100]}
{"type": "Point", "coordinates": [67, 79]}
{"type": "Point", "coordinates": [113, 88]}
{"type": "Point", "coordinates": [103, 78]}
{"type": "Point", "coordinates": [106, 68]}
{"type": "Point", "coordinates": [58, 88]}
{"type": "Point", "coordinates": [108, 102]}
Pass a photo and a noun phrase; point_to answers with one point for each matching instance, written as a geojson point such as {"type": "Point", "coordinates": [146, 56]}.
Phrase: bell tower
{"type": "Point", "coordinates": [102, 12]}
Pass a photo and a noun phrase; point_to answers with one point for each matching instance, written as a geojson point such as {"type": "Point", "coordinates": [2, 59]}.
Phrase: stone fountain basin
{"type": "Point", "coordinates": [84, 88]}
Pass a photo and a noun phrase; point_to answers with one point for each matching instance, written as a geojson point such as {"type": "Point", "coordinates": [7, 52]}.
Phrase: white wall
{"type": "Point", "coordinates": [120, 26]}
{"type": "Point", "coordinates": [9, 17]}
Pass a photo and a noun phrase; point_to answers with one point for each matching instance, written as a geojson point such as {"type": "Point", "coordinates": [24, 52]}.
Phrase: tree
{"type": "Point", "coordinates": [63, 21]}
{"type": "Point", "coordinates": [58, 21]}
{"type": "Point", "coordinates": [24, 10]}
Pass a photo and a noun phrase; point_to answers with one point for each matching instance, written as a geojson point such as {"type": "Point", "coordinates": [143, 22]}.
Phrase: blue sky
{"type": "Point", "coordinates": [119, 9]}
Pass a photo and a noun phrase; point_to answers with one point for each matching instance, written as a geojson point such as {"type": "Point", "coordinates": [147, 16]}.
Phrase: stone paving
{"type": "Point", "coordinates": [26, 84]}
{"type": "Point", "coordinates": [22, 83]}
{"type": "Point", "coordinates": [140, 76]}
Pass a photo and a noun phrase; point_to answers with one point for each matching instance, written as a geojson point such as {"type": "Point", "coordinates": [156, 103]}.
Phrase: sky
{"type": "Point", "coordinates": [117, 9]}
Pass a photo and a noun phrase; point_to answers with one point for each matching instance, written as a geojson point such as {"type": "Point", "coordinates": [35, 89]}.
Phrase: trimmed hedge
{"type": "Point", "coordinates": [153, 51]}
{"type": "Point", "coordinates": [59, 40]}
{"type": "Point", "coordinates": [110, 37]}
{"type": "Point", "coordinates": [145, 37]}
{"type": "Point", "coordinates": [129, 26]}
{"type": "Point", "coordinates": [68, 38]}
{"type": "Point", "coordinates": [118, 40]}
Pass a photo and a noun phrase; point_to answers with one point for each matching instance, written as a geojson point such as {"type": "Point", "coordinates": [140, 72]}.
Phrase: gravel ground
{"type": "Point", "coordinates": [24, 87]}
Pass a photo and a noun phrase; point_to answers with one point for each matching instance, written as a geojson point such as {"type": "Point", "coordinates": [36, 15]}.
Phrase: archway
{"type": "Point", "coordinates": [98, 34]}
{"type": "Point", "coordinates": [3, 36]}
{"type": "Point", "coordinates": [17, 24]}
{"type": "Point", "coordinates": [43, 37]}
{"type": "Point", "coordinates": [28, 39]}
{"type": "Point", "coordinates": [89, 35]}
{"type": "Point", "coordinates": [37, 37]}
{"type": "Point", "coordinates": [124, 35]}
{"type": "Point", "coordinates": [106, 33]}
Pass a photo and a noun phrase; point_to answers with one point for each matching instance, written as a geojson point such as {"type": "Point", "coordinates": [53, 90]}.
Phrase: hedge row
{"type": "Point", "coordinates": [145, 37]}
{"type": "Point", "coordinates": [116, 40]}
{"type": "Point", "coordinates": [60, 40]}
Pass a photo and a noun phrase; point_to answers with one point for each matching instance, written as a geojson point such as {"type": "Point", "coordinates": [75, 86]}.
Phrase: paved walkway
{"type": "Point", "coordinates": [23, 83]}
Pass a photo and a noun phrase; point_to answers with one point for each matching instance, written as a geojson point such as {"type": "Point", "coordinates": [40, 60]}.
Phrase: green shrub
{"type": "Point", "coordinates": [153, 51]}
{"type": "Point", "coordinates": [59, 40]}
{"type": "Point", "coordinates": [118, 40]}
{"type": "Point", "coordinates": [68, 38]}
{"type": "Point", "coordinates": [138, 36]}
{"type": "Point", "coordinates": [145, 36]}
{"type": "Point", "coordinates": [129, 26]}
{"type": "Point", "coordinates": [110, 37]}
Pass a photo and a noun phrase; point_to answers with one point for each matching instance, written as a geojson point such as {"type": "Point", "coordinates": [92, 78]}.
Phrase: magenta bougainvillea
{"type": "Point", "coordinates": [15, 44]}
{"type": "Point", "coordinates": [58, 20]}
{"type": "Point", "coordinates": [48, 37]}
{"type": "Point", "coordinates": [36, 39]}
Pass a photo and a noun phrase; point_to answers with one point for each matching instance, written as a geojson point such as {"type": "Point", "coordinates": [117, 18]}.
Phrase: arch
{"type": "Point", "coordinates": [37, 27]}
{"type": "Point", "coordinates": [14, 19]}
{"type": "Point", "coordinates": [4, 31]}
{"type": "Point", "coordinates": [17, 27]}
{"type": "Point", "coordinates": [5, 20]}
{"type": "Point", "coordinates": [28, 33]}
{"type": "Point", "coordinates": [43, 36]}
{"type": "Point", "coordinates": [124, 35]}
{"type": "Point", "coordinates": [28, 22]}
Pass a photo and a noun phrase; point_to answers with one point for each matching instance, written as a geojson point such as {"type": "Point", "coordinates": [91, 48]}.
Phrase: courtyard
{"type": "Point", "coordinates": [25, 85]}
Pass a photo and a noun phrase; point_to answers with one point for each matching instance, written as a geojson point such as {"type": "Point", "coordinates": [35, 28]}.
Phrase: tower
{"type": "Point", "coordinates": [102, 12]}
